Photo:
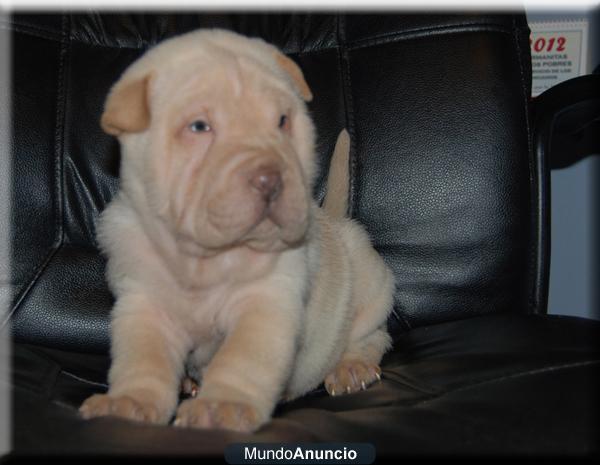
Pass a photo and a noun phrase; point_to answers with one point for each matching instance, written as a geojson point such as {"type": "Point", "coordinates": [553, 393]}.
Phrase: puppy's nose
{"type": "Point", "coordinates": [267, 181]}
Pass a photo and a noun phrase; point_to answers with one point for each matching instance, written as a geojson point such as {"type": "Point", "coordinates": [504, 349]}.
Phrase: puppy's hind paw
{"type": "Point", "coordinates": [352, 376]}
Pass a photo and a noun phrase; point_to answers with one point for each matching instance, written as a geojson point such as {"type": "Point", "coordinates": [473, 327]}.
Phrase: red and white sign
{"type": "Point", "coordinates": [558, 52]}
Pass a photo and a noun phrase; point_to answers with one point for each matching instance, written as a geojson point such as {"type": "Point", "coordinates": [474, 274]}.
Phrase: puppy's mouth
{"type": "Point", "coordinates": [270, 232]}
{"type": "Point", "coordinates": [273, 229]}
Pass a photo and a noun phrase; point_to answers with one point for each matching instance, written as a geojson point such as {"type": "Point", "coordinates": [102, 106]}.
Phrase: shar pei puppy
{"type": "Point", "coordinates": [224, 269]}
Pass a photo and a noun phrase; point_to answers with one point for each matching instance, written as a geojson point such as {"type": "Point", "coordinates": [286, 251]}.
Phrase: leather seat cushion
{"type": "Point", "coordinates": [492, 384]}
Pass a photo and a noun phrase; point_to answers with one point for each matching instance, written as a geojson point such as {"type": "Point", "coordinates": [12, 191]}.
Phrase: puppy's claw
{"type": "Point", "coordinates": [330, 388]}
{"type": "Point", "coordinates": [378, 376]}
{"type": "Point", "coordinates": [363, 385]}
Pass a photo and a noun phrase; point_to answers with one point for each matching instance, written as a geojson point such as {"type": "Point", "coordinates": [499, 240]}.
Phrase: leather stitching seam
{"type": "Point", "coordinates": [510, 376]}
{"type": "Point", "coordinates": [58, 156]}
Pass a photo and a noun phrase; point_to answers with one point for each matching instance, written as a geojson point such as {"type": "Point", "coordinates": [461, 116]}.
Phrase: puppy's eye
{"type": "Point", "coordinates": [199, 126]}
{"type": "Point", "coordinates": [283, 122]}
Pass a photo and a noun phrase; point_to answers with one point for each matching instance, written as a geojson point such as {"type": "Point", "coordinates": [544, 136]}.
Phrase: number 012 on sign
{"type": "Point", "coordinates": [558, 52]}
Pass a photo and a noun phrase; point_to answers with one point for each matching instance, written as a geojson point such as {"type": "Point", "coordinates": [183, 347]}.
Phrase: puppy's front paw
{"type": "Point", "coordinates": [206, 413]}
{"type": "Point", "coordinates": [100, 405]}
{"type": "Point", "coordinates": [352, 376]}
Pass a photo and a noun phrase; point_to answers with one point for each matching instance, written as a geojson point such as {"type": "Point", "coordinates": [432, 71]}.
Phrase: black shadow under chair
{"type": "Point", "coordinates": [445, 174]}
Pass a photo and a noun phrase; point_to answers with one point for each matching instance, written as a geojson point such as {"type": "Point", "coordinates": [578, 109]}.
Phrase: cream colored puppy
{"type": "Point", "coordinates": [221, 263]}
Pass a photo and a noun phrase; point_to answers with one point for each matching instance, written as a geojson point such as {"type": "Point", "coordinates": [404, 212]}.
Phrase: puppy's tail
{"type": "Point", "coordinates": [336, 198]}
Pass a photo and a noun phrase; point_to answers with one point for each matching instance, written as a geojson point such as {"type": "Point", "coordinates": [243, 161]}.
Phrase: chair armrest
{"type": "Point", "coordinates": [567, 121]}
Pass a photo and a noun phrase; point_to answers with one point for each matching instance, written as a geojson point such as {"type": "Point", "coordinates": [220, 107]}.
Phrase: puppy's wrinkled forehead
{"type": "Point", "coordinates": [215, 61]}
{"type": "Point", "coordinates": [207, 61]}
{"type": "Point", "coordinates": [220, 75]}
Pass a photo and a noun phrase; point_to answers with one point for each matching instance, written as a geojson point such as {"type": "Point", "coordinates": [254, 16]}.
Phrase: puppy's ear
{"type": "Point", "coordinates": [126, 108]}
{"type": "Point", "coordinates": [294, 71]}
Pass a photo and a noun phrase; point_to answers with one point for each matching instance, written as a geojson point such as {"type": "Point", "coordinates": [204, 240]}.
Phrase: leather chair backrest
{"type": "Point", "coordinates": [442, 171]}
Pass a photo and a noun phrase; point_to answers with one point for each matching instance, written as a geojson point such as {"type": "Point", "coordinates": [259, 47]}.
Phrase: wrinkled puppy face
{"type": "Point", "coordinates": [227, 163]}
{"type": "Point", "coordinates": [229, 158]}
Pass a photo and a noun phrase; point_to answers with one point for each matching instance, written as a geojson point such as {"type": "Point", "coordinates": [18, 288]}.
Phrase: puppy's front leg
{"type": "Point", "coordinates": [147, 363]}
{"type": "Point", "coordinates": [245, 378]}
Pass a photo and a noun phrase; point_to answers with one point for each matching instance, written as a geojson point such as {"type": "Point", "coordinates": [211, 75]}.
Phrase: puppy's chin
{"type": "Point", "coordinates": [268, 236]}
{"type": "Point", "coordinates": [264, 236]}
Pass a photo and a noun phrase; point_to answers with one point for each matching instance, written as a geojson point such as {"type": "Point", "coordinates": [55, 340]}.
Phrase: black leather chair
{"type": "Point", "coordinates": [445, 176]}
